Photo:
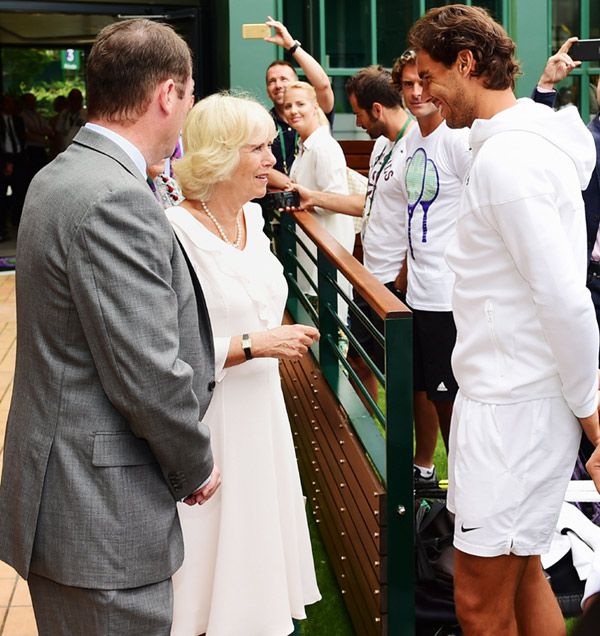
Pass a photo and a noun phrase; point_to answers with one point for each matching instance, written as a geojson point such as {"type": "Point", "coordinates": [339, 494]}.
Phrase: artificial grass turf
{"type": "Point", "coordinates": [328, 617]}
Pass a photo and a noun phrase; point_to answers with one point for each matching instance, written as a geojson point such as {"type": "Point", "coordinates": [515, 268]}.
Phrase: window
{"type": "Point", "coordinates": [393, 24]}
{"type": "Point", "coordinates": [580, 18]}
{"type": "Point", "coordinates": [566, 21]}
{"type": "Point", "coordinates": [348, 33]}
{"type": "Point", "coordinates": [345, 36]}
{"type": "Point", "coordinates": [493, 6]}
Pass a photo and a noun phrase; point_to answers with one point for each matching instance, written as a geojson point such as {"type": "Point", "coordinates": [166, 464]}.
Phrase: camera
{"type": "Point", "coordinates": [283, 199]}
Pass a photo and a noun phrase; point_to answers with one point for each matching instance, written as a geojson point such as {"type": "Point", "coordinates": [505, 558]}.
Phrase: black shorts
{"type": "Point", "coordinates": [434, 336]}
{"type": "Point", "coordinates": [363, 335]}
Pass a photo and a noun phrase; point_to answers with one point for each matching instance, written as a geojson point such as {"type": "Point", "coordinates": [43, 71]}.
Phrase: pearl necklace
{"type": "Point", "coordinates": [238, 236]}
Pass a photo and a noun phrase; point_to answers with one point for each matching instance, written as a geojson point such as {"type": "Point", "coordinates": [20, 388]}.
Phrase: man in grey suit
{"type": "Point", "coordinates": [114, 363]}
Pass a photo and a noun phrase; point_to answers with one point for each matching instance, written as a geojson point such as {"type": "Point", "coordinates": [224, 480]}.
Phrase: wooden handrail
{"type": "Point", "coordinates": [381, 299]}
{"type": "Point", "coordinates": [389, 448]}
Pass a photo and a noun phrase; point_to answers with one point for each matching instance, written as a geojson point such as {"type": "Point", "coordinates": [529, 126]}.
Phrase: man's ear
{"type": "Point", "coordinates": [167, 94]}
{"type": "Point", "coordinates": [376, 110]}
{"type": "Point", "coordinates": [465, 62]}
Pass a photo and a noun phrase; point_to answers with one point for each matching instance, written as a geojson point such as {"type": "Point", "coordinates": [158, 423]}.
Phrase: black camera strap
{"type": "Point", "coordinates": [283, 149]}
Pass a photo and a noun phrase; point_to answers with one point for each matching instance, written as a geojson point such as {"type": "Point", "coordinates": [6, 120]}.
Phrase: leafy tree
{"type": "Point", "coordinates": [38, 71]}
{"type": "Point", "coordinates": [25, 65]}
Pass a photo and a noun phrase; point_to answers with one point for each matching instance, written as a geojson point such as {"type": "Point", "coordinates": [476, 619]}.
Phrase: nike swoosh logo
{"type": "Point", "coordinates": [463, 529]}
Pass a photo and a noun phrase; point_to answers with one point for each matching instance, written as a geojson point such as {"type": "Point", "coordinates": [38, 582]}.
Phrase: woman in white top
{"type": "Point", "coordinates": [248, 566]}
{"type": "Point", "coordinates": [320, 165]}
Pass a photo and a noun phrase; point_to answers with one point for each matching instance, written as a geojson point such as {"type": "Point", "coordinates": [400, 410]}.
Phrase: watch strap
{"type": "Point", "coordinates": [294, 46]}
{"type": "Point", "coordinates": [247, 346]}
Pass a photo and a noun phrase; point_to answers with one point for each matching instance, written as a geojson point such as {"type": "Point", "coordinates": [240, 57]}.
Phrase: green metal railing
{"type": "Point", "coordinates": [386, 434]}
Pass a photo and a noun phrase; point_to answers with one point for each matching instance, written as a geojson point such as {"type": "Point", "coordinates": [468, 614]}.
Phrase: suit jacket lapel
{"type": "Point", "coordinates": [100, 143]}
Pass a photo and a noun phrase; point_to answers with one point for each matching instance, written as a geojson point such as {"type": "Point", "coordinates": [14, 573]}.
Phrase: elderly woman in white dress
{"type": "Point", "coordinates": [248, 567]}
{"type": "Point", "coordinates": [320, 165]}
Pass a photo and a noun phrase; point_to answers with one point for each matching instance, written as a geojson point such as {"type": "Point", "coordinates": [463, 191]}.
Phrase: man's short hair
{"type": "Point", "coordinates": [373, 84]}
{"type": "Point", "coordinates": [408, 57]}
{"type": "Point", "coordinates": [127, 62]}
{"type": "Point", "coordinates": [445, 31]}
{"type": "Point", "coordinates": [280, 63]}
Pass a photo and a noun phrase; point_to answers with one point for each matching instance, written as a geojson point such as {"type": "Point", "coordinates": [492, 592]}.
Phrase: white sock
{"type": "Point", "coordinates": [425, 472]}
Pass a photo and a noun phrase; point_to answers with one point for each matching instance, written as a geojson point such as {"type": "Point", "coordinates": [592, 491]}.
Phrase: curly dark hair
{"type": "Point", "coordinates": [445, 31]}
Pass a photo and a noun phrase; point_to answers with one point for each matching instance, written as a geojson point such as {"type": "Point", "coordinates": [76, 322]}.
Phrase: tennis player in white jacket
{"type": "Point", "coordinates": [525, 356]}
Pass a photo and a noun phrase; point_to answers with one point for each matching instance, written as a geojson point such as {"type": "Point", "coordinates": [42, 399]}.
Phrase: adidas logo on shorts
{"type": "Point", "coordinates": [442, 387]}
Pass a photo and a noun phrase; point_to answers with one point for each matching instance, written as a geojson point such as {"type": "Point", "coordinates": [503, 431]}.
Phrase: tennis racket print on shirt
{"type": "Point", "coordinates": [422, 182]}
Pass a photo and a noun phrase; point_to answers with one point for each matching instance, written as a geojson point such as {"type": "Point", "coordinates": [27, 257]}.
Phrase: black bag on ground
{"type": "Point", "coordinates": [434, 575]}
{"type": "Point", "coordinates": [434, 569]}
{"type": "Point", "coordinates": [566, 585]}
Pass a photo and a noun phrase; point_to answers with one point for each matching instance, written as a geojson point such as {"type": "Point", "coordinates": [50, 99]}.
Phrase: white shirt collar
{"type": "Point", "coordinates": [314, 136]}
{"type": "Point", "coordinates": [132, 152]}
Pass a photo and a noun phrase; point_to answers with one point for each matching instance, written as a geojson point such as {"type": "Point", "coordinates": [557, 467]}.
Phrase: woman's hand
{"type": "Point", "coordinates": [287, 342]}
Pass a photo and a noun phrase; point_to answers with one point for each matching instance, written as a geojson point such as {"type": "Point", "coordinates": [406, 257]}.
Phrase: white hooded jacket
{"type": "Point", "coordinates": [525, 320]}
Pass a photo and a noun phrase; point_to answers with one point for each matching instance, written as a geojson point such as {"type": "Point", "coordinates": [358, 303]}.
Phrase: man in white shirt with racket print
{"type": "Point", "coordinates": [437, 160]}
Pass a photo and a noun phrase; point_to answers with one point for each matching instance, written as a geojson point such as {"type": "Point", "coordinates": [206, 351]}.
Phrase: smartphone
{"type": "Point", "coordinates": [255, 31]}
{"type": "Point", "coordinates": [585, 50]}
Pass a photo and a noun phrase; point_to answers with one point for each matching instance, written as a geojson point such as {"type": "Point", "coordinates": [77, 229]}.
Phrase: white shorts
{"type": "Point", "coordinates": [508, 469]}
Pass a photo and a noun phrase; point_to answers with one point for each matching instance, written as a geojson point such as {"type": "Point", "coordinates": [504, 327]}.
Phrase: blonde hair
{"type": "Point", "coordinates": [215, 130]}
{"type": "Point", "coordinates": [308, 88]}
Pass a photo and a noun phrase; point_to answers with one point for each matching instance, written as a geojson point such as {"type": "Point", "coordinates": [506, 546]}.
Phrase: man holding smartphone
{"type": "Point", "coordinates": [280, 73]}
{"type": "Point", "coordinates": [557, 69]}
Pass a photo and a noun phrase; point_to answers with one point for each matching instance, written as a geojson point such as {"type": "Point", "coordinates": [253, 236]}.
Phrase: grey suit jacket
{"type": "Point", "coordinates": [114, 370]}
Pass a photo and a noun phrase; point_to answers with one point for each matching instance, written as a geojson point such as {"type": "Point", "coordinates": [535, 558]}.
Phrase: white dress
{"type": "Point", "coordinates": [248, 566]}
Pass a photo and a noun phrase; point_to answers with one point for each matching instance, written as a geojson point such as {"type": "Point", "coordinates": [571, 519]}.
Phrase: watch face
{"type": "Point", "coordinates": [247, 346]}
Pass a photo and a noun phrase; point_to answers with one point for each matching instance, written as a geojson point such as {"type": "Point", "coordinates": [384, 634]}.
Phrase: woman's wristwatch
{"type": "Point", "coordinates": [247, 346]}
